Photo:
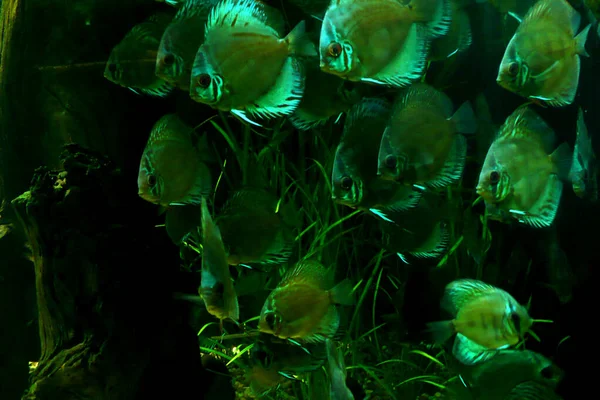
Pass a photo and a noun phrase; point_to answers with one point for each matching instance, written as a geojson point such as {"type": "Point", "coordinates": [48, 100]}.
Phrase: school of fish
{"type": "Point", "coordinates": [404, 142]}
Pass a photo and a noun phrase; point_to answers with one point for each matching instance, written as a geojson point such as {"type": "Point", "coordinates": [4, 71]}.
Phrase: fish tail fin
{"type": "Point", "coordinates": [232, 306]}
{"type": "Point", "coordinates": [580, 41]}
{"type": "Point", "coordinates": [441, 331]}
{"type": "Point", "coordinates": [464, 119]}
{"type": "Point", "coordinates": [343, 293]}
{"type": "Point", "coordinates": [299, 42]}
{"type": "Point", "coordinates": [290, 215]}
{"type": "Point", "coordinates": [562, 158]}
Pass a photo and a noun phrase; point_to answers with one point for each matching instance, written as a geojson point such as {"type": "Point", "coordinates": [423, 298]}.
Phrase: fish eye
{"type": "Point", "coordinates": [390, 161]}
{"type": "Point", "coordinates": [516, 320]}
{"type": "Point", "coordinates": [169, 59]}
{"type": "Point", "coordinates": [346, 183]}
{"type": "Point", "coordinates": [334, 49]}
{"type": "Point", "coordinates": [112, 68]}
{"type": "Point", "coordinates": [494, 177]}
{"type": "Point", "coordinates": [204, 80]}
{"type": "Point", "coordinates": [513, 69]}
{"type": "Point", "coordinates": [151, 180]}
{"type": "Point", "coordinates": [271, 320]}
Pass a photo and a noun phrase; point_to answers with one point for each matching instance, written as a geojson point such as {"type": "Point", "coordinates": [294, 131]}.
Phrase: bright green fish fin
{"type": "Point", "coordinates": [562, 158]}
{"type": "Point", "coordinates": [543, 212]}
{"type": "Point", "coordinates": [285, 95]}
{"type": "Point", "coordinates": [470, 353]}
{"type": "Point", "coordinates": [435, 245]}
{"type": "Point", "coordinates": [524, 122]}
{"type": "Point", "coordinates": [159, 89]}
{"type": "Point", "coordinates": [453, 168]}
{"type": "Point", "coordinates": [580, 41]}
{"type": "Point", "coordinates": [460, 292]}
{"type": "Point", "coordinates": [408, 64]}
{"type": "Point", "coordinates": [237, 13]}
{"type": "Point", "coordinates": [310, 272]}
{"type": "Point", "coordinates": [404, 199]}
{"type": "Point", "coordinates": [193, 8]}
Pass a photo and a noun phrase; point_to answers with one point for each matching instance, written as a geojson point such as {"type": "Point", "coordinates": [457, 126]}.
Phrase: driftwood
{"type": "Point", "coordinates": [108, 326]}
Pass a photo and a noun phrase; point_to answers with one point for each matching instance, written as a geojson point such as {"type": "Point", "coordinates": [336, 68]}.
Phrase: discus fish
{"type": "Point", "coordinates": [163, 181]}
{"type": "Point", "coordinates": [216, 285]}
{"type": "Point", "coordinates": [495, 378]}
{"type": "Point", "coordinates": [584, 170]}
{"type": "Point", "coordinates": [302, 306]}
{"type": "Point", "coordinates": [485, 318]}
{"type": "Point", "coordinates": [180, 42]}
{"type": "Point", "coordinates": [337, 373]}
{"type": "Point", "coordinates": [518, 178]}
{"type": "Point", "coordinates": [542, 61]}
{"type": "Point", "coordinates": [131, 62]}
{"type": "Point", "coordinates": [256, 229]}
{"type": "Point", "coordinates": [421, 143]}
{"type": "Point", "coordinates": [354, 178]}
{"type": "Point", "coordinates": [380, 41]}
{"type": "Point", "coordinates": [245, 67]}
{"type": "Point", "coordinates": [325, 96]}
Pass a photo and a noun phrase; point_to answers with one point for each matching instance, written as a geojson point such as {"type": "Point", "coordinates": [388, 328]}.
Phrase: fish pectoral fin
{"type": "Point", "coordinates": [409, 64]}
{"type": "Point", "coordinates": [285, 95]}
{"type": "Point", "coordinates": [468, 352]}
{"type": "Point", "coordinates": [454, 165]}
{"type": "Point", "coordinates": [544, 210]}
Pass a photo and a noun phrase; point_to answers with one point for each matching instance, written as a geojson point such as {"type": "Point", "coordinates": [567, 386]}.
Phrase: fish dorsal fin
{"type": "Point", "coordinates": [307, 271]}
{"type": "Point", "coordinates": [460, 292]}
{"type": "Point", "coordinates": [238, 13]}
{"type": "Point", "coordinates": [524, 122]}
{"type": "Point", "coordinates": [141, 33]}
{"type": "Point", "coordinates": [559, 11]}
{"type": "Point", "coordinates": [193, 8]}
{"type": "Point", "coordinates": [363, 115]}
{"type": "Point", "coordinates": [210, 231]}
{"type": "Point", "coordinates": [167, 123]}
{"type": "Point", "coordinates": [421, 93]}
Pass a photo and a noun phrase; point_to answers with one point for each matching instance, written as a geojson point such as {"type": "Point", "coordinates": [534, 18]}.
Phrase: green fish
{"type": "Point", "coordinates": [542, 60]}
{"type": "Point", "coordinates": [420, 233]}
{"type": "Point", "coordinates": [244, 66]}
{"type": "Point", "coordinates": [519, 179]}
{"type": "Point", "coordinates": [485, 319]}
{"type": "Point", "coordinates": [584, 170]}
{"type": "Point", "coordinates": [422, 144]}
{"type": "Point", "coordinates": [325, 96]}
{"type": "Point", "coordinates": [216, 285]}
{"type": "Point", "coordinates": [337, 373]}
{"type": "Point", "coordinates": [165, 182]}
{"type": "Point", "coordinates": [304, 305]}
{"type": "Point", "coordinates": [180, 42]}
{"type": "Point", "coordinates": [495, 378]}
{"type": "Point", "coordinates": [382, 42]}
{"type": "Point", "coordinates": [131, 62]}
{"type": "Point", "coordinates": [256, 229]}
{"type": "Point", "coordinates": [354, 177]}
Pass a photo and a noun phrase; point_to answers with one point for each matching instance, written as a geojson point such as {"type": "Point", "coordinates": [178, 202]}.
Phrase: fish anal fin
{"type": "Point", "coordinates": [543, 212]}
{"type": "Point", "coordinates": [285, 95]}
{"type": "Point", "coordinates": [453, 168]}
{"type": "Point", "coordinates": [470, 353]}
